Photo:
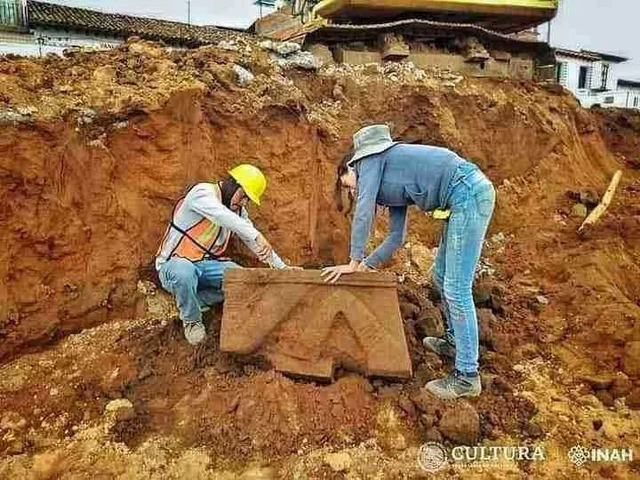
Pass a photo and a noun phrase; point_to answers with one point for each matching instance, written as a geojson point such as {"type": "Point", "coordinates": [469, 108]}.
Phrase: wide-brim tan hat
{"type": "Point", "coordinates": [371, 141]}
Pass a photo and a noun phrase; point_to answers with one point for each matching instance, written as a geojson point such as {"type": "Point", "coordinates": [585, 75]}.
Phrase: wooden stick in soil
{"type": "Point", "coordinates": [597, 212]}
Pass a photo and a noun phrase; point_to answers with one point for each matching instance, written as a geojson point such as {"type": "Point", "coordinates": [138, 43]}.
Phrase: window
{"type": "Point", "coordinates": [609, 100]}
{"type": "Point", "coordinates": [605, 75]}
{"type": "Point", "coordinates": [561, 73]}
{"type": "Point", "coordinates": [582, 79]}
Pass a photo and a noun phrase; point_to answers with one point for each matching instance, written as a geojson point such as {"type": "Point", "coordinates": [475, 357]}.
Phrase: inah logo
{"type": "Point", "coordinates": [432, 457]}
{"type": "Point", "coordinates": [580, 455]}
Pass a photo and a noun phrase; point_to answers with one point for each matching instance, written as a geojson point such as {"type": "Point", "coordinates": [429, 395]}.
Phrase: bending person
{"type": "Point", "coordinates": [396, 175]}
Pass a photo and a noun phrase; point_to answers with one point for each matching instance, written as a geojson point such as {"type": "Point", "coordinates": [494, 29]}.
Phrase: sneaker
{"type": "Point", "coordinates": [194, 332]}
{"type": "Point", "coordinates": [455, 385]}
{"type": "Point", "coordinates": [441, 346]}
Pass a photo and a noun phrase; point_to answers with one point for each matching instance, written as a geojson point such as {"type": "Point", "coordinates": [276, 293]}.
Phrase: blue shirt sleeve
{"type": "Point", "coordinates": [369, 171]}
{"type": "Point", "coordinates": [394, 239]}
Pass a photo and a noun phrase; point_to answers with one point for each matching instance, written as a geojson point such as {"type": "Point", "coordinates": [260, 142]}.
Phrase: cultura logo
{"type": "Point", "coordinates": [432, 457]}
{"type": "Point", "coordinates": [580, 455]}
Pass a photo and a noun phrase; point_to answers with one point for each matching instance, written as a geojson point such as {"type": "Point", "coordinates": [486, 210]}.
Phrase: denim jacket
{"type": "Point", "coordinates": [401, 176]}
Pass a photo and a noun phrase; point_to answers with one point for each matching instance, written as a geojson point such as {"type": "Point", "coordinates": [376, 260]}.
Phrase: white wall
{"type": "Point", "coordinates": [51, 41]}
{"type": "Point", "coordinates": [571, 81]}
{"type": "Point", "coordinates": [628, 97]}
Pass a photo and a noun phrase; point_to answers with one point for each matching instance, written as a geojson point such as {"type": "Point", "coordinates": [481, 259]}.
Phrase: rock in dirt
{"type": "Point", "coordinates": [427, 402]}
{"type": "Point", "coordinates": [430, 323]}
{"type": "Point", "coordinates": [339, 462]}
{"type": "Point", "coordinates": [120, 410]}
{"type": "Point", "coordinates": [605, 397]}
{"type": "Point", "coordinates": [631, 359]}
{"type": "Point", "coordinates": [633, 399]}
{"type": "Point", "coordinates": [590, 198]}
{"type": "Point", "coordinates": [486, 320]}
{"type": "Point", "coordinates": [461, 423]}
{"type": "Point", "coordinates": [579, 210]}
{"type": "Point", "coordinates": [244, 76]}
{"type": "Point", "coordinates": [481, 294]}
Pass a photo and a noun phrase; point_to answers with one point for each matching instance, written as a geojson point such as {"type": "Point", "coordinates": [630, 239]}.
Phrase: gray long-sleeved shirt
{"type": "Point", "coordinates": [203, 201]}
{"type": "Point", "coordinates": [401, 176]}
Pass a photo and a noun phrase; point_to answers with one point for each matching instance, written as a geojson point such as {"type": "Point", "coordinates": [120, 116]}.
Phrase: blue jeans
{"type": "Point", "coordinates": [194, 284]}
{"type": "Point", "coordinates": [472, 199]}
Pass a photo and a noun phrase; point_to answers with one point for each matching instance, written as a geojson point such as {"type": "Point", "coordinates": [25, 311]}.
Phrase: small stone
{"type": "Point", "coordinates": [590, 198]}
{"type": "Point", "coordinates": [339, 462]}
{"type": "Point", "coordinates": [579, 210]}
{"type": "Point", "coordinates": [461, 423]}
{"type": "Point", "coordinates": [120, 409]}
{"type": "Point", "coordinates": [287, 48]}
{"type": "Point", "coordinates": [426, 402]}
{"type": "Point", "coordinates": [542, 300]}
{"type": "Point", "coordinates": [633, 399]}
{"type": "Point", "coordinates": [486, 321]}
{"type": "Point", "coordinates": [244, 76]}
{"type": "Point", "coordinates": [597, 424]}
{"type": "Point", "coordinates": [481, 294]}
{"type": "Point", "coordinates": [228, 45]}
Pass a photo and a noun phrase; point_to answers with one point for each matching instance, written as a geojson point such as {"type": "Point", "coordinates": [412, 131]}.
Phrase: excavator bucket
{"type": "Point", "coordinates": [308, 328]}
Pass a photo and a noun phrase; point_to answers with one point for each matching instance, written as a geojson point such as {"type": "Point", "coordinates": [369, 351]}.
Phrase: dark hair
{"type": "Point", "coordinates": [342, 169]}
{"type": "Point", "coordinates": [229, 187]}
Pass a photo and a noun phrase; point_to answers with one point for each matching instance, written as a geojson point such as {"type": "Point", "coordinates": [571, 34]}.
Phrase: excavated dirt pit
{"type": "Point", "coordinates": [96, 379]}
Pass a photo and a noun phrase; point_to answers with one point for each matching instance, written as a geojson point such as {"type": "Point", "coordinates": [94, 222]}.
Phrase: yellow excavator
{"type": "Point", "coordinates": [505, 16]}
{"type": "Point", "coordinates": [476, 37]}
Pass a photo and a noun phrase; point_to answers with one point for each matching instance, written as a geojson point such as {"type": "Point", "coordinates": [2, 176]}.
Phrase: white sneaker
{"type": "Point", "coordinates": [194, 332]}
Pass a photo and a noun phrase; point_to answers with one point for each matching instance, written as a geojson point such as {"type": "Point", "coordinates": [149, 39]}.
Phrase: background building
{"type": "Point", "coordinates": [37, 28]}
{"type": "Point", "coordinates": [591, 76]}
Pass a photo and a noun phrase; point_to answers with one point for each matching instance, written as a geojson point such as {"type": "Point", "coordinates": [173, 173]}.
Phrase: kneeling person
{"type": "Point", "coordinates": [191, 262]}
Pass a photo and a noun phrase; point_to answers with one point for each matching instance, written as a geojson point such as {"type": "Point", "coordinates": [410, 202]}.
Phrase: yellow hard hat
{"type": "Point", "coordinates": [252, 181]}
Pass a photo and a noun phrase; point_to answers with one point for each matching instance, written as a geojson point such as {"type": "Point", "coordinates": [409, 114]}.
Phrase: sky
{"type": "Point", "coordinates": [601, 25]}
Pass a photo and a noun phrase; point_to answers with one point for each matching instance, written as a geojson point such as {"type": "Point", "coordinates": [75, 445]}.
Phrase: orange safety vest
{"type": "Point", "coordinates": [197, 241]}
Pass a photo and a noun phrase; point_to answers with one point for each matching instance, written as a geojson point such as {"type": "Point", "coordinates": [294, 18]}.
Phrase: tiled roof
{"type": "Point", "coordinates": [59, 16]}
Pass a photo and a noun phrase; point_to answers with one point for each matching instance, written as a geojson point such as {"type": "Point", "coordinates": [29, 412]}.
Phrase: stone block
{"type": "Point", "coordinates": [306, 327]}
